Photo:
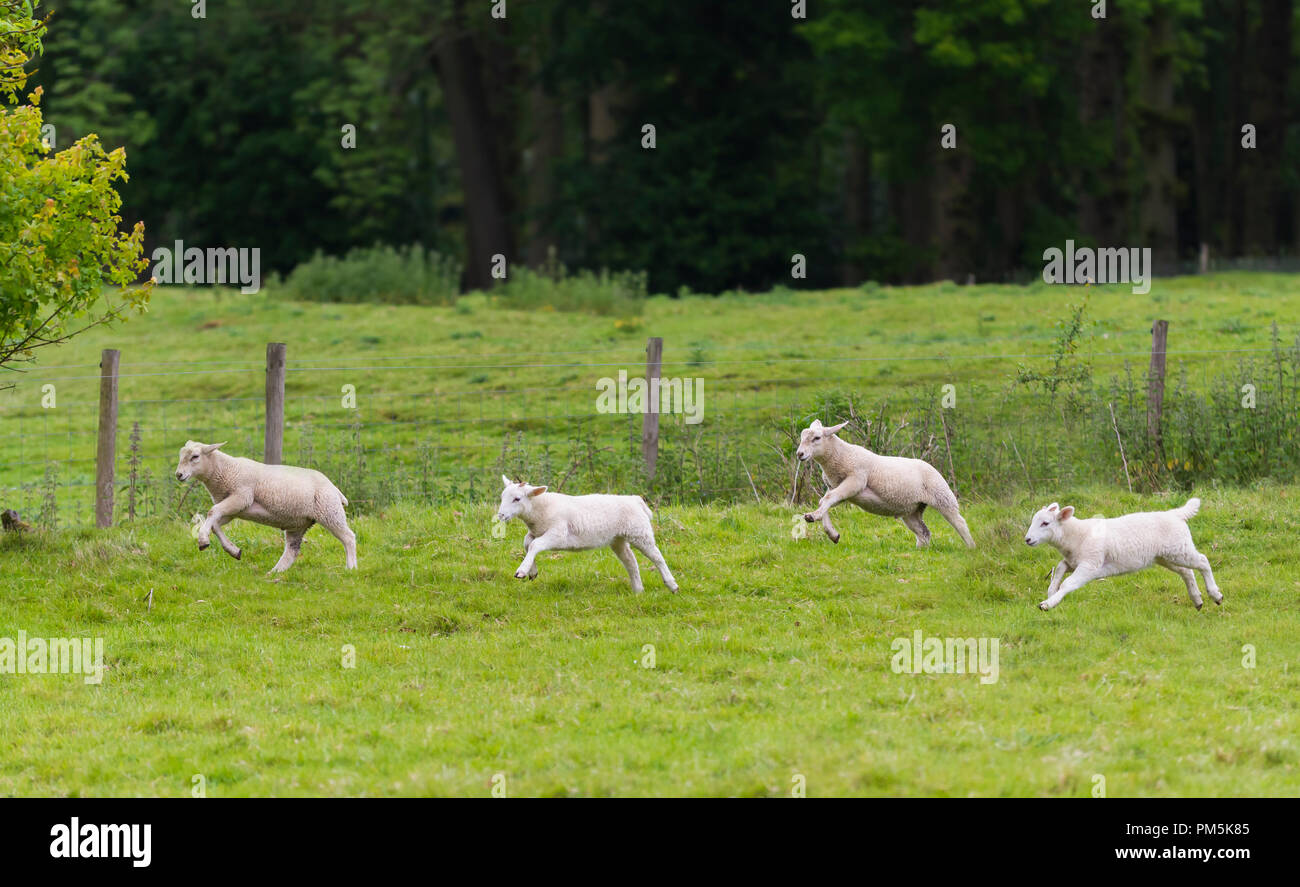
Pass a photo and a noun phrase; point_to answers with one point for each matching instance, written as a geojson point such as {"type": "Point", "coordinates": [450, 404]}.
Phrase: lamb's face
{"type": "Point", "coordinates": [812, 441]}
{"type": "Point", "coordinates": [195, 459]}
{"type": "Point", "coordinates": [1046, 524]}
{"type": "Point", "coordinates": [516, 498]}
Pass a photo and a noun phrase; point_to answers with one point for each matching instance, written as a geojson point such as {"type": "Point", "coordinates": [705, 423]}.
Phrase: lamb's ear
{"type": "Point", "coordinates": [1066, 512]}
{"type": "Point", "coordinates": [835, 429]}
{"type": "Point", "coordinates": [537, 491]}
{"type": "Point", "coordinates": [816, 423]}
{"type": "Point", "coordinates": [1053, 507]}
{"type": "Point", "coordinates": [212, 448]}
{"type": "Point", "coordinates": [505, 480]}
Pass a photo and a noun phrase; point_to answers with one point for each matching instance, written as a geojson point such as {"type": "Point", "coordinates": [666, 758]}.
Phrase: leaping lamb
{"type": "Point", "coordinates": [892, 486]}
{"type": "Point", "coordinates": [558, 522]}
{"type": "Point", "coordinates": [1097, 547]}
{"type": "Point", "coordinates": [281, 496]}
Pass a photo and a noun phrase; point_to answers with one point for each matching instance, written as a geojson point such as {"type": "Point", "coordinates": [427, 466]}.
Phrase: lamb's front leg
{"type": "Point", "coordinates": [846, 489]}
{"type": "Point", "coordinates": [544, 542]}
{"type": "Point", "coordinates": [528, 540]}
{"type": "Point", "coordinates": [1058, 573]}
{"type": "Point", "coordinates": [1082, 575]}
{"type": "Point", "coordinates": [227, 546]}
{"type": "Point", "coordinates": [221, 513]}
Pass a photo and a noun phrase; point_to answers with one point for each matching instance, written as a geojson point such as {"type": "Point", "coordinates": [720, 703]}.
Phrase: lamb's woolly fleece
{"type": "Point", "coordinates": [899, 483]}
{"type": "Point", "coordinates": [282, 496]}
{"type": "Point", "coordinates": [892, 486]}
{"type": "Point", "coordinates": [560, 522]}
{"type": "Point", "coordinates": [586, 522]}
{"type": "Point", "coordinates": [289, 498]}
{"type": "Point", "coordinates": [1096, 547]}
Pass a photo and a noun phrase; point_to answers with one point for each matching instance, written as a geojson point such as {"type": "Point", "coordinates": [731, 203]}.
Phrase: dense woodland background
{"type": "Point", "coordinates": [775, 135]}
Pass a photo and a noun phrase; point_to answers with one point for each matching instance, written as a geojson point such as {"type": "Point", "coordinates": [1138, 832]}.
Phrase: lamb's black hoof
{"type": "Point", "coordinates": [809, 518]}
{"type": "Point", "coordinates": [203, 546]}
{"type": "Point", "coordinates": [836, 538]}
{"type": "Point", "coordinates": [1219, 602]}
{"type": "Point", "coordinates": [239, 554]}
{"type": "Point", "coordinates": [1198, 606]}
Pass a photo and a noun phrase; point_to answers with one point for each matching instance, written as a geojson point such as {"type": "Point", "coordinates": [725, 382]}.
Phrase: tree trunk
{"type": "Point", "coordinates": [1157, 128]}
{"type": "Point", "coordinates": [857, 204]}
{"type": "Point", "coordinates": [487, 227]}
{"type": "Point", "coordinates": [543, 153]}
{"type": "Point", "coordinates": [602, 121]}
{"type": "Point", "coordinates": [1231, 198]}
{"type": "Point", "coordinates": [1262, 167]}
{"type": "Point", "coordinates": [913, 202]}
{"type": "Point", "coordinates": [1103, 196]}
{"type": "Point", "coordinates": [951, 227]}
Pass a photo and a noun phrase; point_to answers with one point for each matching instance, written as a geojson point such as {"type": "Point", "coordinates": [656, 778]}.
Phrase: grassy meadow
{"type": "Point", "coordinates": [446, 398]}
{"type": "Point", "coordinates": [773, 663]}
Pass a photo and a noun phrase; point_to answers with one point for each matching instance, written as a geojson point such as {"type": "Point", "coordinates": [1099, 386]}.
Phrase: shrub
{"type": "Point", "coordinates": [409, 275]}
{"type": "Point", "coordinates": [553, 287]}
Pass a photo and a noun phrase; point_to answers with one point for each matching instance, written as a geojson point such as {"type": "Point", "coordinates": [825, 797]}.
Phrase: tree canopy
{"type": "Point", "coordinates": [483, 128]}
{"type": "Point", "coordinates": [60, 237]}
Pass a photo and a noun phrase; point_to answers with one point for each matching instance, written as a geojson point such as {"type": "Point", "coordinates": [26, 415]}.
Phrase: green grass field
{"type": "Point", "coordinates": [448, 397]}
{"type": "Point", "coordinates": [774, 661]}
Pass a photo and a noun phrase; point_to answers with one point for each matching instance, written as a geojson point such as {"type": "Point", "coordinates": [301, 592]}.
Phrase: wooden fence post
{"type": "Point", "coordinates": [654, 353]}
{"type": "Point", "coordinates": [1156, 386]}
{"type": "Point", "coordinates": [106, 451]}
{"type": "Point", "coordinates": [275, 357]}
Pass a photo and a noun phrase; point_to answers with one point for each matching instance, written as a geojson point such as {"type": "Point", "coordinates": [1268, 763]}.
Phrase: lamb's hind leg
{"type": "Point", "coordinates": [624, 554]}
{"type": "Point", "coordinates": [1188, 577]}
{"type": "Point", "coordinates": [337, 524]}
{"type": "Point", "coordinates": [953, 516]}
{"type": "Point", "coordinates": [292, 545]}
{"type": "Point", "coordinates": [1210, 585]}
{"type": "Point", "coordinates": [651, 551]}
{"type": "Point", "coordinates": [1196, 561]}
{"type": "Point", "coordinates": [917, 526]}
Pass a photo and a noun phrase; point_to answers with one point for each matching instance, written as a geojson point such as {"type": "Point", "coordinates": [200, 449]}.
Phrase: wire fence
{"type": "Point", "coordinates": [438, 428]}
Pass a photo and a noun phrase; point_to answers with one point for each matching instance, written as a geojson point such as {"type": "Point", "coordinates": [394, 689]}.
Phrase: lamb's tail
{"type": "Point", "coordinates": [1188, 511]}
{"type": "Point", "coordinates": [646, 505]}
{"type": "Point", "coordinates": [342, 498]}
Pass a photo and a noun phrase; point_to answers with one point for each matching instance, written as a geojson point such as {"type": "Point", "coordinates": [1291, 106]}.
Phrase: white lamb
{"type": "Point", "coordinates": [578, 523]}
{"type": "Point", "coordinates": [892, 486]}
{"type": "Point", "coordinates": [1096, 547]}
{"type": "Point", "coordinates": [281, 496]}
